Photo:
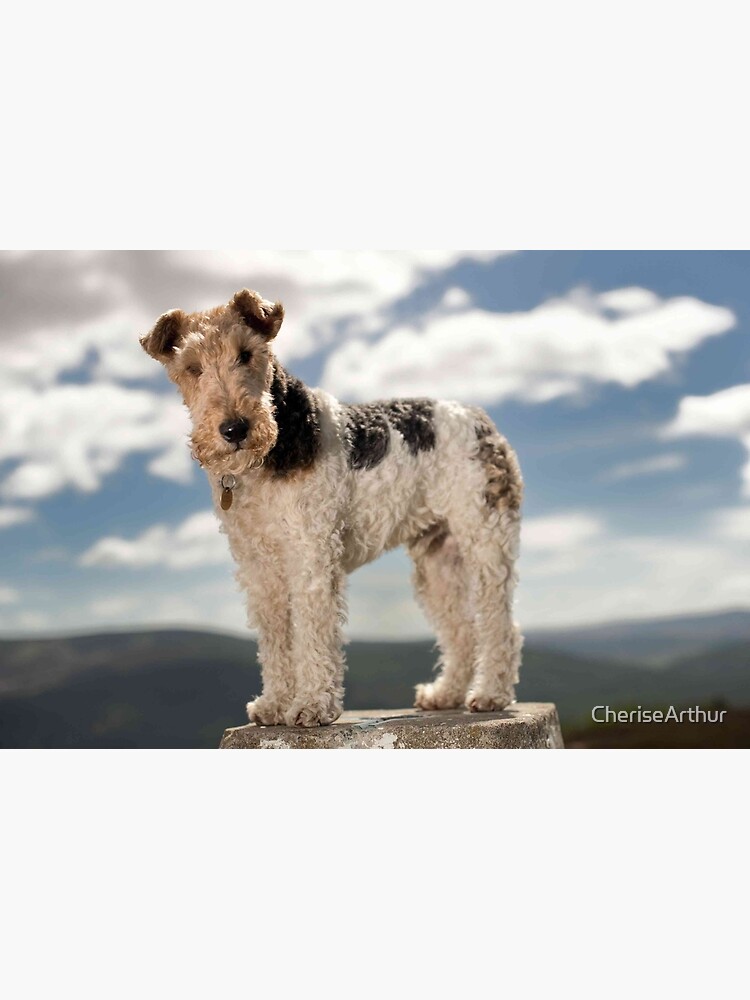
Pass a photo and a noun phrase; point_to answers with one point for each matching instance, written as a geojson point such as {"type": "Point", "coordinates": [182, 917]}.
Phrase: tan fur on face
{"type": "Point", "coordinates": [203, 361]}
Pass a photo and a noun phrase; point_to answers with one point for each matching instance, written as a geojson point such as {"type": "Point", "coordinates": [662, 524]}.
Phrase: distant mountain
{"type": "Point", "coordinates": [182, 689]}
{"type": "Point", "coordinates": [576, 684]}
{"type": "Point", "coordinates": [31, 666]}
{"type": "Point", "coordinates": [651, 642]}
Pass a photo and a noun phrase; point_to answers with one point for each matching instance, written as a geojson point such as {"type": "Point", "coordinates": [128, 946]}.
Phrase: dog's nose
{"type": "Point", "coordinates": [234, 431]}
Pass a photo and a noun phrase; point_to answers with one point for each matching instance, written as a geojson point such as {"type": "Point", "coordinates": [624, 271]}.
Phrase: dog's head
{"type": "Point", "coordinates": [222, 362]}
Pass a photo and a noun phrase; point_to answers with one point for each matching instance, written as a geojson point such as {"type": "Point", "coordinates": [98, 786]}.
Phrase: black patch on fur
{"type": "Point", "coordinates": [298, 421]}
{"type": "Point", "coordinates": [368, 435]}
{"type": "Point", "coordinates": [368, 429]}
{"type": "Point", "coordinates": [415, 420]}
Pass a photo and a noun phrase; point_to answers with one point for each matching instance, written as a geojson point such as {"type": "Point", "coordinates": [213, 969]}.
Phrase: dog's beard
{"type": "Point", "coordinates": [220, 459]}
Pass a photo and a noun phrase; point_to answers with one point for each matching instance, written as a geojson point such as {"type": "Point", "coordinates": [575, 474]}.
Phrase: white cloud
{"type": "Point", "coordinates": [40, 357]}
{"type": "Point", "coordinates": [554, 350]}
{"type": "Point", "coordinates": [381, 601]}
{"type": "Point", "coordinates": [117, 607]}
{"type": "Point", "coordinates": [74, 435]}
{"type": "Point", "coordinates": [669, 462]}
{"type": "Point", "coordinates": [73, 310]}
{"type": "Point", "coordinates": [8, 595]}
{"type": "Point", "coordinates": [195, 542]}
{"type": "Point", "coordinates": [319, 288]}
{"type": "Point", "coordinates": [14, 515]}
{"type": "Point", "coordinates": [550, 545]}
{"type": "Point", "coordinates": [559, 531]}
{"type": "Point", "coordinates": [618, 577]}
{"type": "Point", "coordinates": [722, 414]}
{"type": "Point", "coordinates": [629, 300]}
{"type": "Point", "coordinates": [25, 622]}
{"type": "Point", "coordinates": [575, 569]}
{"type": "Point", "coordinates": [173, 463]}
{"type": "Point", "coordinates": [733, 523]}
{"type": "Point", "coordinates": [572, 569]}
{"type": "Point", "coordinates": [202, 598]}
{"type": "Point", "coordinates": [456, 298]}
{"type": "Point", "coordinates": [725, 413]}
{"type": "Point", "coordinates": [331, 285]}
{"type": "Point", "coordinates": [607, 575]}
{"type": "Point", "coordinates": [32, 620]}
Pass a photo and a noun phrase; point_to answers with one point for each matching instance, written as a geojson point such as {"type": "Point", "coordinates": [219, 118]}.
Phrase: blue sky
{"type": "Point", "coordinates": [621, 378]}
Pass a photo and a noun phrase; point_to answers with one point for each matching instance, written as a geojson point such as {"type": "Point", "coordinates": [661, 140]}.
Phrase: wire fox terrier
{"type": "Point", "coordinates": [308, 489]}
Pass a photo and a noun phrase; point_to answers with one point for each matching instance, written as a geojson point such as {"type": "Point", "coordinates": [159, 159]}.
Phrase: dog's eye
{"type": "Point", "coordinates": [243, 358]}
{"type": "Point", "coordinates": [195, 370]}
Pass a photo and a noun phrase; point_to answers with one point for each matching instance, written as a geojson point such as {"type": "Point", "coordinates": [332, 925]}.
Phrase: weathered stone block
{"type": "Point", "coordinates": [523, 726]}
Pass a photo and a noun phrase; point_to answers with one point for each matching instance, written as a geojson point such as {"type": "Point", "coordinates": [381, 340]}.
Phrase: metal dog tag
{"type": "Point", "coordinates": [228, 483]}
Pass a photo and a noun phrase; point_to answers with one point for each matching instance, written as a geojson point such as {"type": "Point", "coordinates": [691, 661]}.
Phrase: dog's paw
{"type": "Point", "coordinates": [264, 712]}
{"type": "Point", "coordinates": [435, 698]}
{"type": "Point", "coordinates": [311, 713]}
{"type": "Point", "coordinates": [476, 702]}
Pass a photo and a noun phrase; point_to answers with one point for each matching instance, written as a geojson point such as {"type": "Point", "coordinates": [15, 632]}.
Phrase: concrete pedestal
{"type": "Point", "coordinates": [522, 726]}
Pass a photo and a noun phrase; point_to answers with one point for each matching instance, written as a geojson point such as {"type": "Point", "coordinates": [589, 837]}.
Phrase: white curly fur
{"type": "Point", "coordinates": [294, 540]}
{"type": "Point", "coordinates": [454, 504]}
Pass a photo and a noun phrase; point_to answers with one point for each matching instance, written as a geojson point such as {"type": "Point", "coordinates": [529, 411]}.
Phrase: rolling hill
{"type": "Point", "coordinates": [182, 689]}
{"type": "Point", "coordinates": [651, 642]}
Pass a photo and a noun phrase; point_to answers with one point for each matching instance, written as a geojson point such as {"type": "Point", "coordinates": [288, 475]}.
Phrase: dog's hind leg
{"type": "Point", "coordinates": [490, 557]}
{"type": "Point", "coordinates": [486, 522]}
{"type": "Point", "coordinates": [442, 590]}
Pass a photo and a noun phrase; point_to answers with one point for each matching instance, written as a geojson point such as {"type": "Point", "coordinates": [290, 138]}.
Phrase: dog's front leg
{"type": "Point", "coordinates": [267, 588]}
{"type": "Point", "coordinates": [317, 589]}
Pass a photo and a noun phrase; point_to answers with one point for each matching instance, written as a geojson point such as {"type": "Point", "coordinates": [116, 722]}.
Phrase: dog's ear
{"type": "Point", "coordinates": [165, 336]}
{"type": "Point", "coordinates": [262, 316]}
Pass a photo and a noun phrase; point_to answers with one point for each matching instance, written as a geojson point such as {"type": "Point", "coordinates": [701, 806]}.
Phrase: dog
{"type": "Point", "coordinates": [307, 489]}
